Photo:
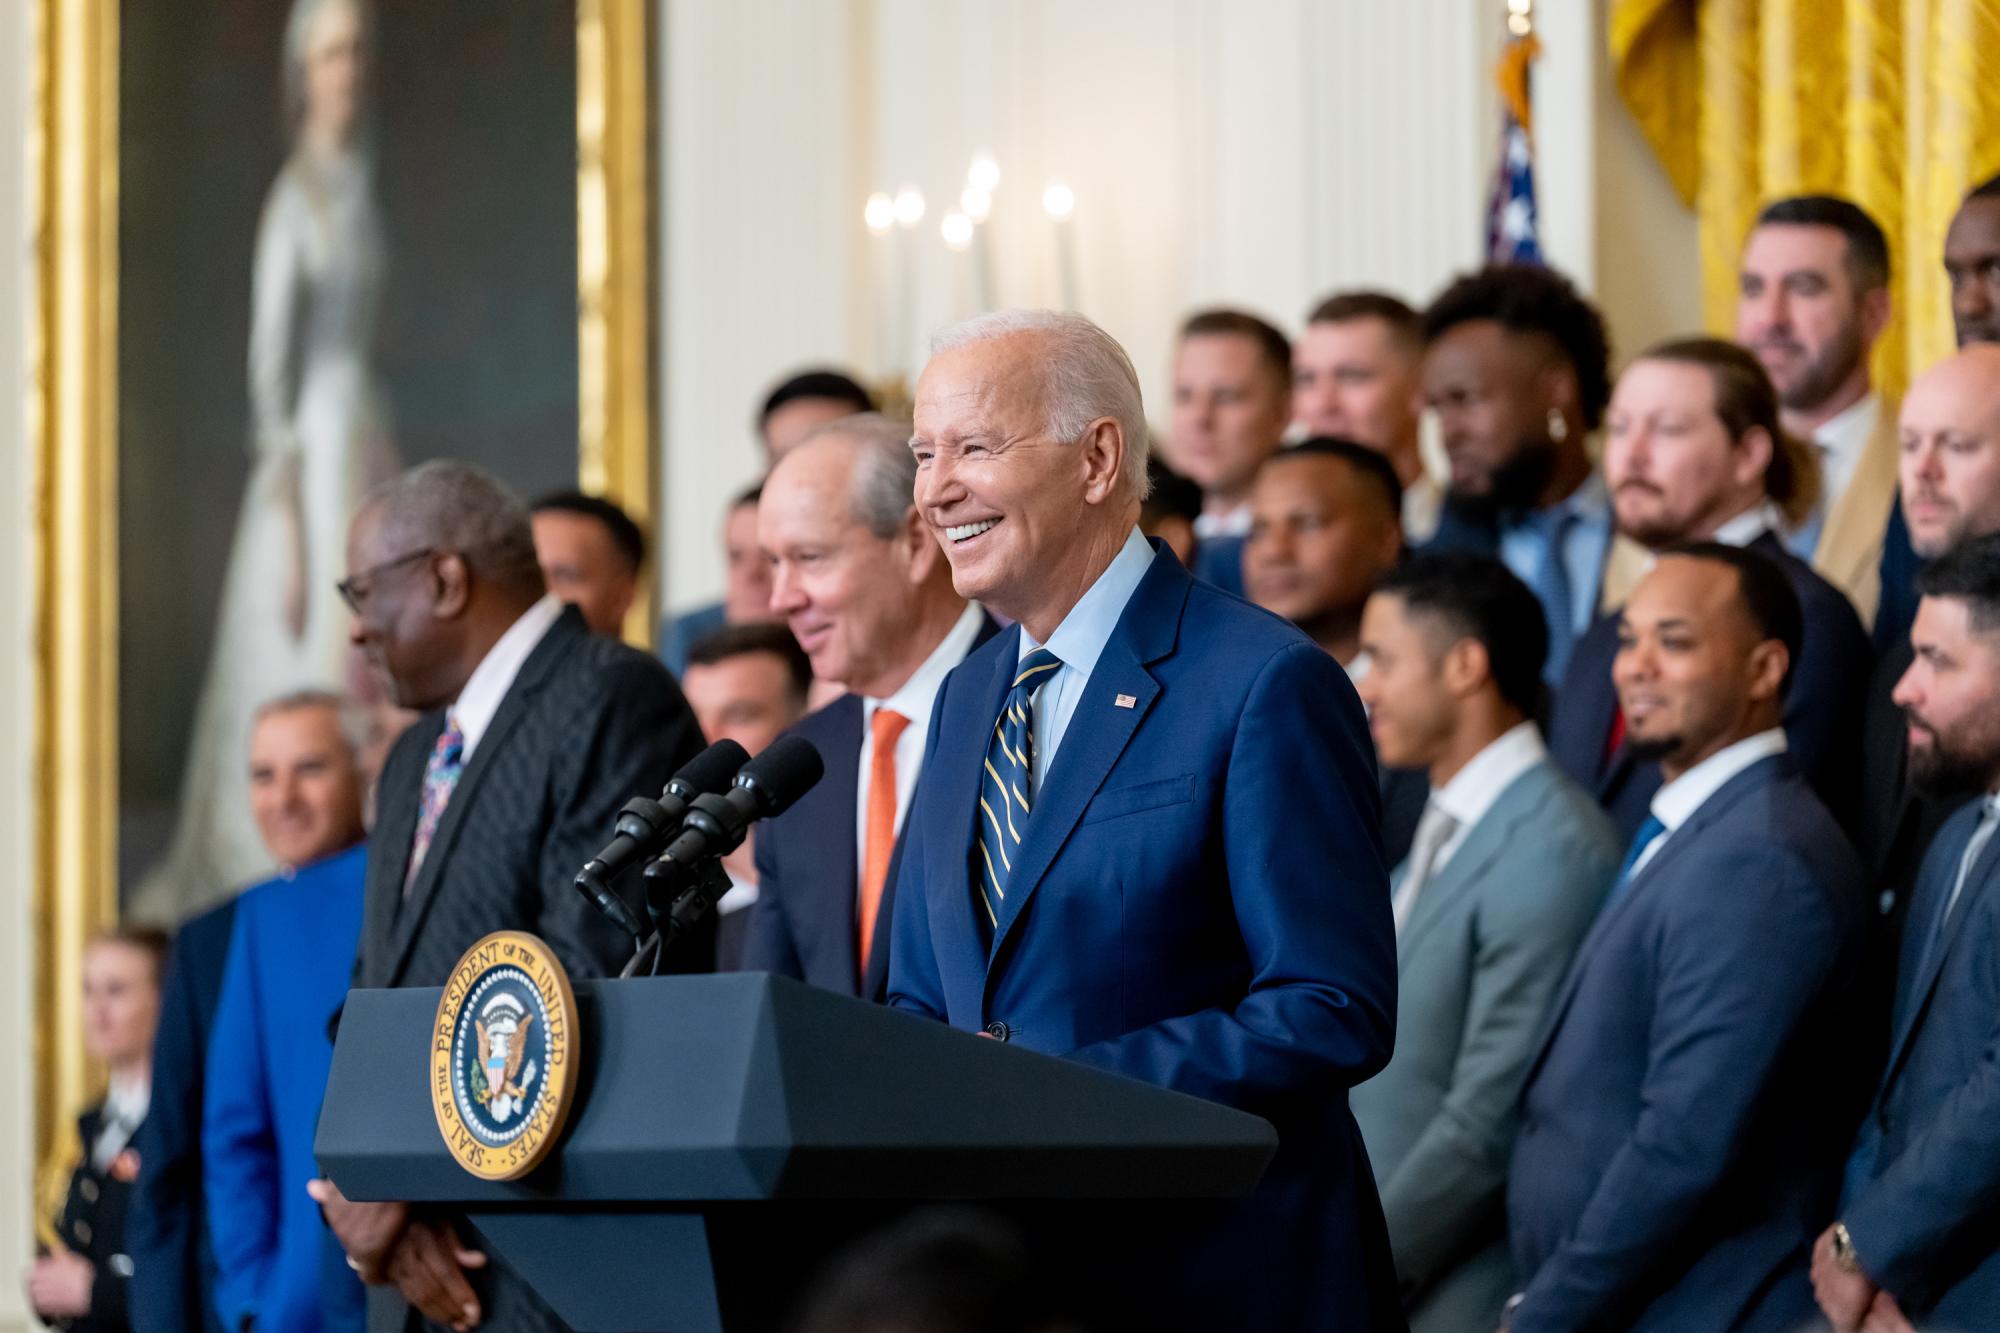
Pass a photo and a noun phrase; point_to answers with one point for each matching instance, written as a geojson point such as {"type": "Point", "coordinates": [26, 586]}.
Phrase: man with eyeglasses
{"type": "Point", "coordinates": [534, 733]}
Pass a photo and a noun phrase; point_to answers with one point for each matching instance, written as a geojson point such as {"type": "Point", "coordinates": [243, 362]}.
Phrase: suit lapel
{"type": "Point", "coordinates": [1976, 883]}
{"type": "Point", "coordinates": [1468, 865]}
{"type": "Point", "coordinates": [1850, 543]}
{"type": "Point", "coordinates": [1098, 731]}
{"type": "Point", "coordinates": [953, 779]}
{"type": "Point", "coordinates": [838, 905]}
{"type": "Point", "coordinates": [389, 850]}
{"type": "Point", "coordinates": [553, 648]}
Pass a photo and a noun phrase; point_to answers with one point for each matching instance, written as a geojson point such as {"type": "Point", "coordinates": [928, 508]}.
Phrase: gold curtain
{"type": "Point", "coordinates": [1894, 104]}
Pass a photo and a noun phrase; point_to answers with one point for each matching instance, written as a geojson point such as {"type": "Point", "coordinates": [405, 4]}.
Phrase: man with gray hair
{"type": "Point", "coordinates": [867, 593]}
{"type": "Point", "coordinates": [534, 732]}
{"type": "Point", "coordinates": [1147, 833]}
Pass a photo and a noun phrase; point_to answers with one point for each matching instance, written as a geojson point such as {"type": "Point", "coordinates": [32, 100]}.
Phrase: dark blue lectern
{"type": "Point", "coordinates": [730, 1131]}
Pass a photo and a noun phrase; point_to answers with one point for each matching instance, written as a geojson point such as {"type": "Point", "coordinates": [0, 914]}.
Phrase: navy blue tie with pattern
{"type": "Point", "coordinates": [1005, 789]}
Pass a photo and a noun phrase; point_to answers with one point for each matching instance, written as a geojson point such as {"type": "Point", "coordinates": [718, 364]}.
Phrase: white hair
{"type": "Point", "coordinates": [885, 471]}
{"type": "Point", "coordinates": [1085, 376]}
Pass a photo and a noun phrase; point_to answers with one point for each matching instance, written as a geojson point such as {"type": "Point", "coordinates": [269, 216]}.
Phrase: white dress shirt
{"type": "Point", "coordinates": [1234, 523]}
{"type": "Point", "coordinates": [913, 700]}
{"type": "Point", "coordinates": [1675, 803]}
{"type": "Point", "coordinates": [125, 1103]}
{"type": "Point", "coordinates": [1751, 524]}
{"type": "Point", "coordinates": [1842, 440]}
{"type": "Point", "coordinates": [1079, 641]}
{"type": "Point", "coordinates": [1485, 778]}
{"type": "Point", "coordinates": [489, 682]}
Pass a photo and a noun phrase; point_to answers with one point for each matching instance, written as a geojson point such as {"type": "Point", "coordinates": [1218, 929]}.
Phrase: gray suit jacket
{"type": "Point", "coordinates": [1480, 960]}
{"type": "Point", "coordinates": [588, 724]}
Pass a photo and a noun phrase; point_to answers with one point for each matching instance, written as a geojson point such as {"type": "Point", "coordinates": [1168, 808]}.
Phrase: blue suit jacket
{"type": "Point", "coordinates": [1828, 693]}
{"type": "Point", "coordinates": [173, 1270]}
{"type": "Point", "coordinates": [1199, 901]}
{"type": "Point", "coordinates": [268, 1059]}
{"type": "Point", "coordinates": [803, 924]}
{"type": "Point", "coordinates": [1219, 560]}
{"type": "Point", "coordinates": [1681, 1134]}
{"type": "Point", "coordinates": [1924, 1185]}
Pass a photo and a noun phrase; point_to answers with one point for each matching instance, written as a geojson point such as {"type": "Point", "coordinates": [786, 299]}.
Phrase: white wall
{"type": "Point", "coordinates": [16, 663]}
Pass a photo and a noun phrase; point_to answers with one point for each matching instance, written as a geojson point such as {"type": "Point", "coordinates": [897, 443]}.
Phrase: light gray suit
{"type": "Point", "coordinates": [1480, 960]}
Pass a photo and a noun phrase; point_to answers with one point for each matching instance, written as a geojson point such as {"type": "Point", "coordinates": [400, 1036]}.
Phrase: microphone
{"type": "Point", "coordinates": [715, 825]}
{"type": "Point", "coordinates": [643, 823]}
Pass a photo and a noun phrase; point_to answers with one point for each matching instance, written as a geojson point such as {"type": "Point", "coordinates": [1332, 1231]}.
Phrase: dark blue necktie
{"type": "Point", "coordinates": [1641, 840]}
{"type": "Point", "coordinates": [1005, 787]}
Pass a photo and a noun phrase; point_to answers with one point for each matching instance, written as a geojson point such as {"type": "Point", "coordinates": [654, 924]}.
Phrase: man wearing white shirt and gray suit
{"type": "Point", "coordinates": [1510, 862]}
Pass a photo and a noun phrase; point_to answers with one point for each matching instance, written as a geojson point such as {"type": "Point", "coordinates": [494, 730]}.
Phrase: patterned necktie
{"type": "Point", "coordinates": [885, 729]}
{"type": "Point", "coordinates": [1006, 786]}
{"type": "Point", "coordinates": [1641, 840]}
{"type": "Point", "coordinates": [440, 777]}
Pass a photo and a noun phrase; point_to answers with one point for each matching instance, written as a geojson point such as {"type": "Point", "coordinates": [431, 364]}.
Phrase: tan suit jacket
{"type": "Point", "coordinates": [1850, 544]}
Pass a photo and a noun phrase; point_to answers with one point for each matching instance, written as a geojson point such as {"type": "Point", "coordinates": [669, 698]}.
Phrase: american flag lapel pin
{"type": "Point", "coordinates": [1126, 701]}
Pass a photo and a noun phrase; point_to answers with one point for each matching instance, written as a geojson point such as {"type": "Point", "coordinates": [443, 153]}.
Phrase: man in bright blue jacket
{"type": "Point", "coordinates": [1146, 833]}
{"type": "Point", "coordinates": [291, 954]}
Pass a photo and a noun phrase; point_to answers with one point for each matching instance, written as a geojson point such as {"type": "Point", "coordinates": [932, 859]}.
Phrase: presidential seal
{"type": "Point", "coordinates": [504, 1055]}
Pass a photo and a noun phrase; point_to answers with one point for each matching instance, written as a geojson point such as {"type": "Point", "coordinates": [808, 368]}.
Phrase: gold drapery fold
{"type": "Point", "coordinates": [1894, 104]}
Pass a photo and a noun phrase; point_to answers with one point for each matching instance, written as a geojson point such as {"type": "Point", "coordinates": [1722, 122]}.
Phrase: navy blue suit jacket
{"type": "Point", "coordinates": [173, 1269]}
{"type": "Point", "coordinates": [804, 922]}
{"type": "Point", "coordinates": [1924, 1186]}
{"type": "Point", "coordinates": [1219, 560]}
{"type": "Point", "coordinates": [1822, 710]}
{"type": "Point", "coordinates": [1680, 1142]}
{"type": "Point", "coordinates": [1198, 901]}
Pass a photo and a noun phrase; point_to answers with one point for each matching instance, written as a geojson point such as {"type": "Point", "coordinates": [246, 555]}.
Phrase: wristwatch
{"type": "Point", "coordinates": [1844, 1257]}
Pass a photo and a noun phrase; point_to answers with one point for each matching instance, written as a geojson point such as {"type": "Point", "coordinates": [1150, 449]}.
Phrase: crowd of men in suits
{"type": "Point", "coordinates": [1581, 851]}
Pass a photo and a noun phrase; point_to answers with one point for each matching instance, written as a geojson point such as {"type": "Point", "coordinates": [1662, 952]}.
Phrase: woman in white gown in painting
{"type": "Point", "coordinates": [319, 442]}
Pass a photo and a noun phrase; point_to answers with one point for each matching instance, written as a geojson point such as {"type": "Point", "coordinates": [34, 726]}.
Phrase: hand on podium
{"type": "Point", "coordinates": [425, 1260]}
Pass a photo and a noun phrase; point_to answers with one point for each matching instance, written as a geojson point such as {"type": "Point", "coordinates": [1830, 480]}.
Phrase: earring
{"type": "Point", "coordinates": [1558, 426]}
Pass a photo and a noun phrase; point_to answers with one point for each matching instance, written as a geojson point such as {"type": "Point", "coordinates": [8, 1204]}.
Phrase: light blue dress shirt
{"type": "Point", "coordinates": [1079, 641]}
{"type": "Point", "coordinates": [1585, 542]}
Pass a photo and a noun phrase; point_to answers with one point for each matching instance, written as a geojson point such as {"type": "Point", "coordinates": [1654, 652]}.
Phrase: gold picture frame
{"type": "Point", "coordinates": [72, 420]}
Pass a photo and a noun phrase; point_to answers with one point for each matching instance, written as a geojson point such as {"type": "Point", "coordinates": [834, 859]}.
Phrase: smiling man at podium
{"type": "Point", "coordinates": [1146, 835]}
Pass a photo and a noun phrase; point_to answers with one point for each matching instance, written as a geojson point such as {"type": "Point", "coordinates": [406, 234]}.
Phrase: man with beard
{"type": "Point", "coordinates": [1972, 265]}
{"type": "Point", "coordinates": [1517, 367]}
{"type": "Point", "coordinates": [1684, 1119]}
{"type": "Point", "coordinates": [1919, 1235]}
{"type": "Point", "coordinates": [1813, 297]}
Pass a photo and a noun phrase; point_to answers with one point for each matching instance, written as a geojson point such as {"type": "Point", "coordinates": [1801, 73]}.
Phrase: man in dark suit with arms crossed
{"type": "Point", "coordinates": [1146, 836]}
{"type": "Point", "coordinates": [534, 733]}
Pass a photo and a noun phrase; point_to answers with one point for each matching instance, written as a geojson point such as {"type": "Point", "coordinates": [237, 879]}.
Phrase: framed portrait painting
{"type": "Point", "coordinates": [288, 248]}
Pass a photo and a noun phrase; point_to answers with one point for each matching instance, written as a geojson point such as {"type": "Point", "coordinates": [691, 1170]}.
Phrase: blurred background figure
{"type": "Point", "coordinates": [1232, 400]}
{"type": "Point", "coordinates": [746, 596]}
{"type": "Point", "coordinates": [746, 683]}
{"type": "Point", "coordinates": [290, 958]}
{"type": "Point", "coordinates": [319, 441]}
{"type": "Point", "coordinates": [1169, 511]}
{"type": "Point", "coordinates": [800, 405]}
{"type": "Point", "coordinates": [1357, 374]}
{"type": "Point", "coordinates": [1324, 526]}
{"type": "Point", "coordinates": [81, 1283]}
{"type": "Point", "coordinates": [591, 553]}
{"type": "Point", "coordinates": [941, 1271]}
{"type": "Point", "coordinates": [1972, 265]}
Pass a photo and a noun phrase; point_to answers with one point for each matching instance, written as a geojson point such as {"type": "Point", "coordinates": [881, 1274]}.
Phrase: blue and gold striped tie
{"type": "Point", "coordinates": [1005, 787]}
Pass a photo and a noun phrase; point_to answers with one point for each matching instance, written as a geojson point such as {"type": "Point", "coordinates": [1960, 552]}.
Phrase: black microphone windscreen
{"type": "Point", "coordinates": [784, 771]}
{"type": "Point", "coordinates": [714, 768]}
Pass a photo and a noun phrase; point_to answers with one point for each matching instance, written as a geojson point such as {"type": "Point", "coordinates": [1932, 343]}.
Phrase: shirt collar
{"type": "Point", "coordinates": [126, 1098]}
{"type": "Point", "coordinates": [1590, 501]}
{"type": "Point", "coordinates": [1675, 803]}
{"type": "Point", "coordinates": [1485, 778]}
{"type": "Point", "coordinates": [1852, 425]}
{"type": "Point", "coordinates": [1079, 640]}
{"type": "Point", "coordinates": [913, 699]}
{"type": "Point", "coordinates": [1235, 523]}
{"type": "Point", "coordinates": [489, 682]}
{"type": "Point", "coordinates": [1751, 524]}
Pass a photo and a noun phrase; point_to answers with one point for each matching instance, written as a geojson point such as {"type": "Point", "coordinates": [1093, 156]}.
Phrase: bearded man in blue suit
{"type": "Point", "coordinates": [1146, 835]}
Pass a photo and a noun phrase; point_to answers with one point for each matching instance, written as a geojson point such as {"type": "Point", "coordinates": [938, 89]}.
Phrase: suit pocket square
{"type": "Point", "coordinates": [1138, 798]}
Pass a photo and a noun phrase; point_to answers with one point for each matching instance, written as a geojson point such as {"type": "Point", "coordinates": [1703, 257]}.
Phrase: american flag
{"type": "Point", "coordinates": [1512, 236]}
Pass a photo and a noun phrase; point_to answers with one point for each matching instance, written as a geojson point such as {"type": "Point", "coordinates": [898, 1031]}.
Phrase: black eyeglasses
{"type": "Point", "coordinates": [355, 588]}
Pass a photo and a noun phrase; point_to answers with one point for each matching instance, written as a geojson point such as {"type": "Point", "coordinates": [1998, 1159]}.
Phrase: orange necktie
{"type": "Point", "coordinates": [886, 729]}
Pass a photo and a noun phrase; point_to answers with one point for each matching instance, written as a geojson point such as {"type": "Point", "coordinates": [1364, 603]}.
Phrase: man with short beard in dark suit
{"type": "Point", "coordinates": [534, 733]}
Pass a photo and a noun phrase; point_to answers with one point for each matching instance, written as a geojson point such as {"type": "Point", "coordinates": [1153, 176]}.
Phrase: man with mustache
{"type": "Point", "coordinates": [1813, 298]}
{"type": "Point", "coordinates": [1915, 1239]}
{"type": "Point", "coordinates": [1517, 367]}
{"type": "Point", "coordinates": [1694, 452]}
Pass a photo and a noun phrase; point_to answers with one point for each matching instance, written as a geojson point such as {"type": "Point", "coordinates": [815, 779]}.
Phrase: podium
{"type": "Point", "coordinates": [731, 1131]}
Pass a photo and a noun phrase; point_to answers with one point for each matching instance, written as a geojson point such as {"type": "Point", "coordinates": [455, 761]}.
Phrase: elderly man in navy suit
{"type": "Point", "coordinates": [1919, 1231]}
{"type": "Point", "coordinates": [865, 590]}
{"type": "Point", "coordinates": [1146, 838]}
{"type": "Point", "coordinates": [1683, 1124]}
